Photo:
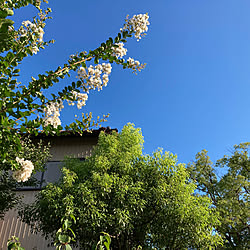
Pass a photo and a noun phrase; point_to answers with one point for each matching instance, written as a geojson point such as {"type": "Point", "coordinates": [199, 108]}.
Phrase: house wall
{"type": "Point", "coordinates": [11, 225]}
{"type": "Point", "coordinates": [79, 147]}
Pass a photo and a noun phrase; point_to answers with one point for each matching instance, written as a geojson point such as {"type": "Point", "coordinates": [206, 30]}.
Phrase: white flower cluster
{"type": "Point", "coordinates": [25, 172]}
{"type": "Point", "coordinates": [34, 49]}
{"type": "Point", "coordinates": [52, 113]}
{"type": "Point", "coordinates": [132, 63]}
{"type": "Point", "coordinates": [138, 24]}
{"type": "Point", "coordinates": [29, 26]}
{"type": "Point", "coordinates": [80, 98]}
{"type": "Point", "coordinates": [119, 51]}
{"type": "Point", "coordinates": [96, 77]}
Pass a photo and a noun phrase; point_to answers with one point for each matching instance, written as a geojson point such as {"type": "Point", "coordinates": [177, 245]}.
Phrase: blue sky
{"type": "Point", "coordinates": [193, 93]}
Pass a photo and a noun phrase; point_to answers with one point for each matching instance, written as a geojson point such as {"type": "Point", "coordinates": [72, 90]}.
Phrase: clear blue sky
{"type": "Point", "coordinates": [194, 91]}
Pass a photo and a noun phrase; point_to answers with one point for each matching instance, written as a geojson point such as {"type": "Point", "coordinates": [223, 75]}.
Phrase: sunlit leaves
{"type": "Point", "coordinates": [144, 198]}
{"type": "Point", "coordinates": [229, 192]}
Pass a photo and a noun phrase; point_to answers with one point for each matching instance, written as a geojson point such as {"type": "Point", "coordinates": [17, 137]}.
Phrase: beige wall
{"type": "Point", "coordinates": [79, 147]}
{"type": "Point", "coordinates": [11, 225]}
{"type": "Point", "coordinates": [71, 146]}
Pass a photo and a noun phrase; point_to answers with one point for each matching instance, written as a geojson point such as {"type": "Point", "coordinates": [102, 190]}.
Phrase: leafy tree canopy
{"type": "Point", "coordinates": [229, 193]}
{"type": "Point", "coordinates": [138, 199]}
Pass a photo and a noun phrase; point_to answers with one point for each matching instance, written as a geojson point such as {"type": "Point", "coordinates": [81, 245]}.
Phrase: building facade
{"type": "Point", "coordinates": [72, 145]}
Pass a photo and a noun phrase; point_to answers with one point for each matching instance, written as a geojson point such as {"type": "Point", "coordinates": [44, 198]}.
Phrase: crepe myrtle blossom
{"type": "Point", "coordinates": [94, 77]}
{"type": "Point", "coordinates": [105, 79]}
{"type": "Point", "coordinates": [137, 24]}
{"type": "Point", "coordinates": [132, 62]}
{"type": "Point", "coordinates": [25, 172]}
{"type": "Point", "coordinates": [106, 68]}
{"type": "Point", "coordinates": [40, 32]}
{"type": "Point", "coordinates": [119, 51]}
{"type": "Point", "coordinates": [52, 113]}
{"type": "Point", "coordinates": [34, 49]}
{"type": "Point", "coordinates": [29, 24]}
{"type": "Point", "coordinates": [135, 65]}
{"type": "Point", "coordinates": [81, 99]}
{"type": "Point", "coordinates": [32, 28]}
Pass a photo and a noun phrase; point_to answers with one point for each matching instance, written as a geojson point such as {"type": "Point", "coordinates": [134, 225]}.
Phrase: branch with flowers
{"type": "Point", "coordinates": [29, 108]}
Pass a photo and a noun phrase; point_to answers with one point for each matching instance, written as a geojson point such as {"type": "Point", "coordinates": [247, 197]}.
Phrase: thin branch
{"type": "Point", "coordinates": [59, 71]}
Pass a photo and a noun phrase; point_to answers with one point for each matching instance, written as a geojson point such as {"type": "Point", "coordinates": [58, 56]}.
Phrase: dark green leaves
{"type": "Point", "coordinates": [6, 12]}
{"type": "Point", "coordinates": [64, 238]}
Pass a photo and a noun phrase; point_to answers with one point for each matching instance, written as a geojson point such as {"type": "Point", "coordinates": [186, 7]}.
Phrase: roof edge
{"type": "Point", "coordinates": [90, 133]}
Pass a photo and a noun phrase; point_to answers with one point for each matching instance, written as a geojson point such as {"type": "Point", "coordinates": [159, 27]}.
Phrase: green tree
{"type": "Point", "coordinates": [138, 199]}
{"type": "Point", "coordinates": [29, 107]}
{"type": "Point", "coordinates": [229, 193]}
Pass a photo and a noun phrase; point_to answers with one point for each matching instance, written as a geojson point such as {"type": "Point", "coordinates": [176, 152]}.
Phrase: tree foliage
{"type": "Point", "coordinates": [138, 199]}
{"type": "Point", "coordinates": [27, 108]}
{"type": "Point", "coordinates": [229, 193]}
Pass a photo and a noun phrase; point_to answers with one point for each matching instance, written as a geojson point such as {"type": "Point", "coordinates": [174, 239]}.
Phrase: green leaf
{"type": "Point", "coordinates": [96, 61]}
{"type": "Point", "coordinates": [68, 247]}
{"type": "Point", "coordinates": [67, 224]}
{"type": "Point", "coordinates": [5, 12]}
{"type": "Point", "coordinates": [11, 245]}
{"type": "Point", "coordinates": [63, 238]}
{"type": "Point", "coordinates": [78, 84]}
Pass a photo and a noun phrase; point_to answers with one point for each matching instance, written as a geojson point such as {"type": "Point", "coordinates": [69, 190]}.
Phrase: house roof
{"type": "Point", "coordinates": [65, 133]}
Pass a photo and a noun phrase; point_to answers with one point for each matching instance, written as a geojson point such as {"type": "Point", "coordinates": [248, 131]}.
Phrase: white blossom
{"type": "Point", "coordinates": [106, 68]}
{"type": "Point", "coordinates": [52, 113]}
{"type": "Point", "coordinates": [40, 34]}
{"type": "Point", "coordinates": [94, 77]}
{"type": "Point", "coordinates": [137, 24]}
{"type": "Point", "coordinates": [82, 73]}
{"type": "Point", "coordinates": [29, 26]}
{"type": "Point", "coordinates": [91, 70]}
{"type": "Point", "coordinates": [99, 67]}
{"type": "Point", "coordinates": [105, 79]}
{"type": "Point", "coordinates": [25, 172]}
{"type": "Point", "coordinates": [119, 51]}
{"type": "Point", "coordinates": [132, 62]}
{"type": "Point", "coordinates": [81, 99]}
{"type": "Point", "coordinates": [26, 23]}
{"type": "Point", "coordinates": [34, 49]}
